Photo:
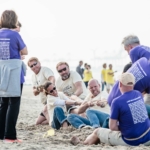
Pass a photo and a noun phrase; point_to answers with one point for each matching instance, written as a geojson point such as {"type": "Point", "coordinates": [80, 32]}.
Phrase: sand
{"type": "Point", "coordinates": [32, 135]}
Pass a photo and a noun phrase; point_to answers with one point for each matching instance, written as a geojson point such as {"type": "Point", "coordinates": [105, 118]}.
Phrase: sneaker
{"type": "Point", "coordinates": [12, 141]}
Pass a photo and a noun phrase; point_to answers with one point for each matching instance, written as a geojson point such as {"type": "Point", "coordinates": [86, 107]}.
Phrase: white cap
{"type": "Point", "coordinates": [127, 79]}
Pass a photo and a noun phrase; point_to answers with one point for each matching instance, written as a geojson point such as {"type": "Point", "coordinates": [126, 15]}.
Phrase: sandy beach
{"type": "Point", "coordinates": [32, 135]}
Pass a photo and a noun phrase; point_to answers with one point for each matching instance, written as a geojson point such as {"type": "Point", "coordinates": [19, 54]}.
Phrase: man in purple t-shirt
{"type": "Point", "coordinates": [135, 50]}
{"type": "Point", "coordinates": [129, 123]}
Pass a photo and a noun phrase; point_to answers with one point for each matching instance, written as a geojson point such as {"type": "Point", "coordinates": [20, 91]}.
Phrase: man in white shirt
{"type": "Point", "coordinates": [40, 76]}
{"type": "Point", "coordinates": [70, 82]}
{"type": "Point", "coordinates": [96, 105]}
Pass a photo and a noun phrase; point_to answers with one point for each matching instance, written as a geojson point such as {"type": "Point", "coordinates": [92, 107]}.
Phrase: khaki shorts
{"type": "Point", "coordinates": [110, 137]}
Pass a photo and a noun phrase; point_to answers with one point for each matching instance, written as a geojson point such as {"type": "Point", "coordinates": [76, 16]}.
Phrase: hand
{"type": "Point", "coordinates": [100, 103]}
{"type": "Point", "coordinates": [90, 104]}
{"type": "Point", "coordinates": [73, 97]}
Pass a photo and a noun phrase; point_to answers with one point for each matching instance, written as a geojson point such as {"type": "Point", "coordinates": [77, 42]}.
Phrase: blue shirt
{"type": "Point", "coordinates": [129, 109]}
{"type": "Point", "coordinates": [141, 71]}
{"type": "Point", "coordinates": [10, 45]}
{"type": "Point", "coordinates": [139, 52]}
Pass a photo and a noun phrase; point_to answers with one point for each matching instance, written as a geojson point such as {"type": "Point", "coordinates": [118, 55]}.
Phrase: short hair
{"type": "Point", "coordinates": [61, 63]}
{"type": "Point", "coordinates": [46, 85]}
{"type": "Point", "coordinates": [19, 24]}
{"type": "Point", "coordinates": [31, 59]}
{"type": "Point", "coordinates": [8, 19]}
{"type": "Point", "coordinates": [126, 67]}
{"type": "Point", "coordinates": [130, 39]}
{"type": "Point", "coordinates": [104, 64]}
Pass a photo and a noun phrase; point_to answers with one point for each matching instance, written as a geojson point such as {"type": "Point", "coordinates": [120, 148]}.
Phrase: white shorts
{"type": "Point", "coordinates": [109, 85]}
{"type": "Point", "coordinates": [110, 137]}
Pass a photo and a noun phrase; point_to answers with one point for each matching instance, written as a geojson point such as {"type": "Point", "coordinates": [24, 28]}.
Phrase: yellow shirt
{"type": "Point", "coordinates": [103, 75]}
{"type": "Point", "coordinates": [87, 75]}
{"type": "Point", "coordinates": [109, 78]}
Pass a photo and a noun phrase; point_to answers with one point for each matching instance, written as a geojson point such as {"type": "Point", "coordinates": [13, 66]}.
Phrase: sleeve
{"type": "Point", "coordinates": [76, 77]}
{"type": "Point", "coordinates": [34, 84]}
{"type": "Point", "coordinates": [59, 102]}
{"type": "Point", "coordinates": [47, 72]}
{"type": "Point", "coordinates": [114, 113]}
{"type": "Point", "coordinates": [20, 42]}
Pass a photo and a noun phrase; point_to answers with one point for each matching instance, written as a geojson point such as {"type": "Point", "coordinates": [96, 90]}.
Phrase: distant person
{"type": "Point", "coordinates": [70, 82]}
{"type": "Point", "coordinates": [79, 69]}
{"type": "Point", "coordinates": [128, 123]}
{"type": "Point", "coordinates": [109, 77]}
{"type": "Point", "coordinates": [103, 76]}
{"type": "Point", "coordinates": [40, 76]}
{"type": "Point", "coordinates": [135, 50]}
{"type": "Point", "coordinates": [11, 48]}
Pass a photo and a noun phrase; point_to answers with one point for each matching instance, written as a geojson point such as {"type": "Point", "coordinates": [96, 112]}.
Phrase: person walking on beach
{"type": "Point", "coordinates": [129, 106]}
{"type": "Point", "coordinates": [79, 69]}
{"type": "Point", "coordinates": [70, 82]}
{"type": "Point", "coordinates": [41, 75]}
{"type": "Point", "coordinates": [103, 76]}
{"type": "Point", "coordinates": [11, 48]}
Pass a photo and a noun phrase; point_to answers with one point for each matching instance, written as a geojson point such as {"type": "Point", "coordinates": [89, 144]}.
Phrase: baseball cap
{"type": "Point", "coordinates": [127, 79]}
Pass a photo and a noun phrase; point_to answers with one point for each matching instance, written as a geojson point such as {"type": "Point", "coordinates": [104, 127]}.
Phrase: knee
{"type": "Point", "coordinates": [89, 111]}
{"type": "Point", "coordinates": [56, 109]}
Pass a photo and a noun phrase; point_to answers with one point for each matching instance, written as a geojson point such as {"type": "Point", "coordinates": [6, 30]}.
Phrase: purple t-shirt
{"type": "Point", "coordinates": [141, 71]}
{"type": "Point", "coordinates": [139, 52]}
{"type": "Point", "coordinates": [10, 45]}
{"type": "Point", "coordinates": [130, 111]}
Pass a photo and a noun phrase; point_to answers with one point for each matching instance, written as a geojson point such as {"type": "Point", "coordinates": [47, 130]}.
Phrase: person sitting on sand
{"type": "Point", "coordinates": [129, 122]}
{"type": "Point", "coordinates": [92, 103]}
{"type": "Point", "coordinates": [40, 76]}
{"type": "Point", "coordinates": [70, 82]}
{"type": "Point", "coordinates": [56, 102]}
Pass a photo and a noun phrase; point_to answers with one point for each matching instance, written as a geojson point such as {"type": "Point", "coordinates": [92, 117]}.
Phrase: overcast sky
{"type": "Point", "coordinates": [78, 28]}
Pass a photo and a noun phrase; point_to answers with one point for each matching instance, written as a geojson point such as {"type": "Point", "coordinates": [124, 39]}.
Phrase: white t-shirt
{"type": "Point", "coordinates": [53, 101]}
{"type": "Point", "coordinates": [40, 79]}
{"type": "Point", "coordinates": [68, 86]}
{"type": "Point", "coordinates": [101, 96]}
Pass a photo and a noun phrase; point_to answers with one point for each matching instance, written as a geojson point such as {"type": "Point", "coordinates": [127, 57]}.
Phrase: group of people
{"type": "Point", "coordinates": [119, 118]}
{"type": "Point", "coordinates": [85, 73]}
{"type": "Point", "coordinates": [107, 77]}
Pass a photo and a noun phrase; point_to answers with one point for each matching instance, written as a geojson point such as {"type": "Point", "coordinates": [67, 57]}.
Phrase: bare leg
{"type": "Point", "coordinates": [45, 112]}
{"type": "Point", "coordinates": [92, 138]}
{"type": "Point", "coordinates": [65, 125]}
{"type": "Point", "coordinates": [40, 120]}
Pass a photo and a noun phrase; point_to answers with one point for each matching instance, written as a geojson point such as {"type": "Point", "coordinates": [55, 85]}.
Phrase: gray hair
{"type": "Point", "coordinates": [130, 39]}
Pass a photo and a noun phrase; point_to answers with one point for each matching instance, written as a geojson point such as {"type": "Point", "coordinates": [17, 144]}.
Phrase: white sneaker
{"type": "Point", "coordinates": [87, 127]}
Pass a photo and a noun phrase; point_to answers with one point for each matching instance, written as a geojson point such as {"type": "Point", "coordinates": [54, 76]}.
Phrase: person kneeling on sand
{"type": "Point", "coordinates": [56, 102]}
{"type": "Point", "coordinates": [128, 123]}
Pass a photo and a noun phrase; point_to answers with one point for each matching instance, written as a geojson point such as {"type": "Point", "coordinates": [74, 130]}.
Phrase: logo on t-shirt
{"type": "Point", "coordinates": [68, 90]}
{"type": "Point", "coordinates": [138, 110]}
{"type": "Point", "coordinates": [4, 49]}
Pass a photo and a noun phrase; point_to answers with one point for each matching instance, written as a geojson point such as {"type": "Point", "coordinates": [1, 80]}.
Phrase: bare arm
{"type": "Point", "coordinates": [79, 89]}
{"type": "Point", "coordinates": [82, 108]}
{"type": "Point", "coordinates": [52, 79]}
{"type": "Point", "coordinates": [24, 51]}
{"type": "Point", "coordinates": [113, 125]}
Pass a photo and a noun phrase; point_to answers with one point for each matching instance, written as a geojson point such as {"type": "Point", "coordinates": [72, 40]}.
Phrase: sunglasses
{"type": "Point", "coordinates": [64, 69]}
{"type": "Point", "coordinates": [33, 65]}
{"type": "Point", "coordinates": [51, 91]}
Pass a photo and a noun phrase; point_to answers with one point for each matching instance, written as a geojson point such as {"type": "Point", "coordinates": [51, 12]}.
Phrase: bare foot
{"type": "Point", "coordinates": [75, 140]}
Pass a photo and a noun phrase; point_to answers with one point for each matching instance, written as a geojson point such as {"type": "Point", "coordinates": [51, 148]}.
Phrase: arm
{"type": "Point", "coordinates": [79, 89]}
{"type": "Point", "coordinates": [82, 108]}
{"type": "Point", "coordinates": [52, 79]}
{"type": "Point", "coordinates": [113, 125]}
{"type": "Point", "coordinates": [24, 51]}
